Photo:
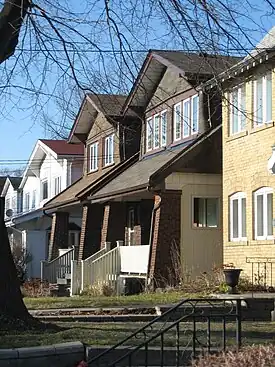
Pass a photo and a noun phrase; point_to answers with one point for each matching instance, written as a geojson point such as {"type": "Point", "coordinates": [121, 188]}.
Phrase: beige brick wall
{"type": "Point", "coordinates": [245, 159]}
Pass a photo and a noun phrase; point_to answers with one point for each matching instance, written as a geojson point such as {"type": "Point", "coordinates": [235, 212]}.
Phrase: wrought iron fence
{"type": "Point", "coordinates": [194, 325]}
{"type": "Point", "coordinates": [262, 271]}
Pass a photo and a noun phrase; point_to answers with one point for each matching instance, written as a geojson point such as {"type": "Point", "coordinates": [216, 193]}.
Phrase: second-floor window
{"type": "Point", "coordinates": [13, 203]}
{"type": "Point", "coordinates": [94, 157]}
{"type": "Point", "coordinates": [156, 131]}
{"type": "Point", "coordinates": [8, 203]}
{"type": "Point", "coordinates": [27, 201]}
{"type": "Point", "coordinates": [33, 199]}
{"type": "Point", "coordinates": [237, 110]}
{"type": "Point", "coordinates": [262, 99]}
{"type": "Point", "coordinates": [186, 118]}
{"type": "Point", "coordinates": [109, 150]}
{"type": "Point", "coordinates": [57, 185]}
{"type": "Point", "coordinates": [44, 188]}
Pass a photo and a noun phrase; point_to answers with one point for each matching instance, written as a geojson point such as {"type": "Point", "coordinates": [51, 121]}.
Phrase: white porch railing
{"type": "Point", "coordinates": [58, 267]}
{"type": "Point", "coordinates": [86, 269]}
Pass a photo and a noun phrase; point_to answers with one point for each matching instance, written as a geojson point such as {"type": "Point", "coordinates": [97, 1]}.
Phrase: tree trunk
{"type": "Point", "coordinates": [11, 19]}
{"type": "Point", "coordinates": [12, 307]}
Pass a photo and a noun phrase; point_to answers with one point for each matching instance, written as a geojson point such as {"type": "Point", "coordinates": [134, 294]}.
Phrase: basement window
{"type": "Point", "coordinates": [205, 212]}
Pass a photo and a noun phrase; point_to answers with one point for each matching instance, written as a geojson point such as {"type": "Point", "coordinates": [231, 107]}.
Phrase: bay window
{"type": "Point", "coordinates": [263, 213]}
{"type": "Point", "coordinates": [238, 217]}
{"type": "Point", "coordinates": [262, 99]}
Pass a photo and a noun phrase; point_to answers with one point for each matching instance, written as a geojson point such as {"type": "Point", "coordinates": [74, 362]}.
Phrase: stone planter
{"type": "Point", "coordinates": [232, 277]}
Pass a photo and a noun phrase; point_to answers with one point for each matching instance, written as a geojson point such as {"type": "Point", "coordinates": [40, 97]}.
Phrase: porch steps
{"type": "Point", "coordinates": [62, 287]}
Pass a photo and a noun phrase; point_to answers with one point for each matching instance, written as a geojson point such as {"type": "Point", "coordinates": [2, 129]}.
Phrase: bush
{"type": "Point", "coordinates": [35, 288]}
{"type": "Point", "coordinates": [99, 289]}
{"type": "Point", "coordinates": [254, 356]}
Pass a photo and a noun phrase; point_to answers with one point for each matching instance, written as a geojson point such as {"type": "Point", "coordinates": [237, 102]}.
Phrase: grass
{"type": "Point", "coordinates": [111, 333]}
{"type": "Point", "coordinates": [144, 299]}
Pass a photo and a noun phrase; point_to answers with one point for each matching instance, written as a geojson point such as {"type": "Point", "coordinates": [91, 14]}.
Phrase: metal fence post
{"type": "Point", "coordinates": [238, 323]}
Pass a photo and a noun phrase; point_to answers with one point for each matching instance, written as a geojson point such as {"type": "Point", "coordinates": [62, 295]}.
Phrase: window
{"type": "Point", "coordinates": [33, 199]}
{"type": "Point", "coordinates": [8, 203]}
{"type": "Point", "coordinates": [13, 203]}
{"type": "Point", "coordinates": [263, 213]}
{"type": "Point", "coordinates": [186, 118]}
{"type": "Point", "coordinates": [94, 157]}
{"type": "Point", "coordinates": [177, 121]}
{"type": "Point", "coordinates": [57, 185]}
{"type": "Point", "coordinates": [149, 135]}
{"type": "Point", "coordinates": [44, 189]}
{"type": "Point", "coordinates": [237, 110]}
{"type": "Point", "coordinates": [131, 226]}
{"type": "Point", "coordinates": [205, 212]}
{"type": "Point", "coordinates": [262, 99]}
{"type": "Point", "coordinates": [109, 150]}
{"type": "Point", "coordinates": [238, 217]}
{"type": "Point", "coordinates": [27, 201]}
{"type": "Point", "coordinates": [74, 238]}
{"type": "Point", "coordinates": [163, 117]}
{"type": "Point", "coordinates": [156, 131]}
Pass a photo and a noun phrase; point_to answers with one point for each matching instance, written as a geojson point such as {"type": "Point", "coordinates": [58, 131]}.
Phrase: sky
{"type": "Point", "coordinates": [20, 129]}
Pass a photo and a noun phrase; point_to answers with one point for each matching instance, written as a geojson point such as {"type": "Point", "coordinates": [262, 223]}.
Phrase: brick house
{"type": "Point", "coordinates": [162, 206]}
{"type": "Point", "coordinates": [248, 162]}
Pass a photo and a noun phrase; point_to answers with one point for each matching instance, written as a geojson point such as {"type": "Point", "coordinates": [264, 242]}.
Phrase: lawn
{"type": "Point", "coordinates": [110, 333]}
{"type": "Point", "coordinates": [144, 299]}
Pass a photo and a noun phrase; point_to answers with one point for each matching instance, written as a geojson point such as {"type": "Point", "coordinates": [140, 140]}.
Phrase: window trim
{"type": "Point", "coordinates": [91, 147]}
{"type": "Point", "coordinates": [106, 151]}
{"type": "Point", "coordinates": [54, 185]}
{"type": "Point", "coordinates": [188, 100]}
{"type": "Point", "coordinates": [149, 132]}
{"type": "Point", "coordinates": [161, 128]}
{"type": "Point", "coordinates": [262, 191]}
{"type": "Point", "coordinates": [237, 196]}
{"type": "Point", "coordinates": [156, 146]}
{"type": "Point", "coordinates": [45, 180]}
{"type": "Point", "coordinates": [191, 114]}
{"type": "Point", "coordinates": [27, 194]}
{"type": "Point", "coordinates": [175, 123]}
{"type": "Point", "coordinates": [218, 212]}
{"type": "Point", "coordinates": [264, 99]}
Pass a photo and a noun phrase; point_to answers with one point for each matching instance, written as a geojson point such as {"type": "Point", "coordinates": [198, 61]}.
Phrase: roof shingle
{"type": "Point", "coordinates": [62, 147]}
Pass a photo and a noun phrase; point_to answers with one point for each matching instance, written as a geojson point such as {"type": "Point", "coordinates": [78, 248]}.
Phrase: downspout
{"type": "Point", "coordinates": [155, 208]}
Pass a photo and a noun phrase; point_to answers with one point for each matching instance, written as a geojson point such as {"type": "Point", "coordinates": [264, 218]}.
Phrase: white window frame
{"type": "Point", "coordinates": [175, 138]}
{"type": "Point", "coordinates": [57, 188]}
{"type": "Point", "coordinates": [27, 207]}
{"type": "Point", "coordinates": [149, 133]}
{"type": "Point", "coordinates": [264, 100]}
{"type": "Point", "coordinates": [263, 191]}
{"type": "Point", "coordinates": [239, 196]}
{"type": "Point", "coordinates": [163, 142]}
{"type": "Point", "coordinates": [241, 116]}
{"type": "Point", "coordinates": [42, 183]}
{"type": "Point", "coordinates": [156, 129]}
{"type": "Point", "coordinates": [93, 157]}
{"type": "Point", "coordinates": [33, 204]}
{"type": "Point", "coordinates": [188, 122]}
{"type": "Point", "coordinates": [109, 150]}
{"type": "Point", "coordinates": [193, 131]}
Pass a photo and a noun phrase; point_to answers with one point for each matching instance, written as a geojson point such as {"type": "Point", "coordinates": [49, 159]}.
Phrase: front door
{"type": "Point", "coordinates": [131, 227]}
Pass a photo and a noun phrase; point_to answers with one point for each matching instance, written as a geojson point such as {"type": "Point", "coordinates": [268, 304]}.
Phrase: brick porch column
{"type": "Point", "coordinates": [59, 234]}
{"type": "Point", "coordinates": [90, 237]}
{"type": "Point", "coordinates": [113, 226]}
{"type": "Point", "coordinates": [165, 245]}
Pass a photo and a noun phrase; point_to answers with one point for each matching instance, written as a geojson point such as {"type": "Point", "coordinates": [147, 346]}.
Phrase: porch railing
{"type": "Point", "coordinates": [262, 271]}
{"type": "Point", "coordinates": [86, 268]}
{"type": "Point", "coordinates": [57, 268]}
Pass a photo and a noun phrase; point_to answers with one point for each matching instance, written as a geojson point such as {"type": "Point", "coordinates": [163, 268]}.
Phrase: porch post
{"type": "Point", "coordinates": [92, 218]}
{"type": "Point", "coordinates": [113, 226]}
{"type": "Point", "coordinates": [164, 266]}
{"type": "Point", "coordinates": [59, 234]}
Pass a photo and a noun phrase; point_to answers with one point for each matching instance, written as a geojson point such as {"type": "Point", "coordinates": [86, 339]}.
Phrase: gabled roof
{"type": "Point", "coordinates": [193, 66]}
{"type": "Point", "coordinates": [148, 172]}
{"type": "Point", "coordinates": [13, 181]}
{"type": "Point", "coordinates": [2, 183]}
{"type": "Point", "coordinates": [62, 147]}
{"type": "Point", "coordinates": [109, 105]}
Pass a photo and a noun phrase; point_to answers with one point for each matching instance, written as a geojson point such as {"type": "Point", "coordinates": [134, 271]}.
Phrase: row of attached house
{"type": "Point", "coordinates": [176, 178]}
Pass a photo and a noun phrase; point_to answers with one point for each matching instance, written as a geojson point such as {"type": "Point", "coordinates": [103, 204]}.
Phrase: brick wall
{"type": "Point", "coordinates": [92, 219]}
{"type": "Point", "coordinates": [166, 237]}
{"type": "Point", "coordinates": [59, 233]}
{"type": "Point", "coordinates": [245, 158]}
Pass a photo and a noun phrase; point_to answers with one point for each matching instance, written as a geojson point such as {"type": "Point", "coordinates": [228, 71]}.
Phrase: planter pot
{"type": "Point", "coordinates": [232, 277]}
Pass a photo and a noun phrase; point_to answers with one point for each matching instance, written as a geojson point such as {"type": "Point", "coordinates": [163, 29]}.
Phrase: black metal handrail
{"type": "Point", "coordinates": [196, 313]}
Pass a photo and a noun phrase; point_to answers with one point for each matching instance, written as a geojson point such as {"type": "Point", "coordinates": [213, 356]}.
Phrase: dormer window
{"type": "Point", "coordinates": [186, 118]}
{"type": "Point", "coordinates": [93, 157]}
{"type": "Point", "coordinates": [109, 150]}
{"type": "Point", "coordinates": [156, 131]}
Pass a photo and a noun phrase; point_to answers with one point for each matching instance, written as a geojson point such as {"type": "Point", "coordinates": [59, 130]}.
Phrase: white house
{"type": "Point", "coordinates": [53, 166]}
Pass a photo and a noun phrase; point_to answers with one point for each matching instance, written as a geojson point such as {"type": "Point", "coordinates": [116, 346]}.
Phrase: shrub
{"type": "Point", "coordinates": [99, 289]}
{"type": "Point", "coordinates": [35, 288]}
{"type": "Point", "coordinates": [256, 356]}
